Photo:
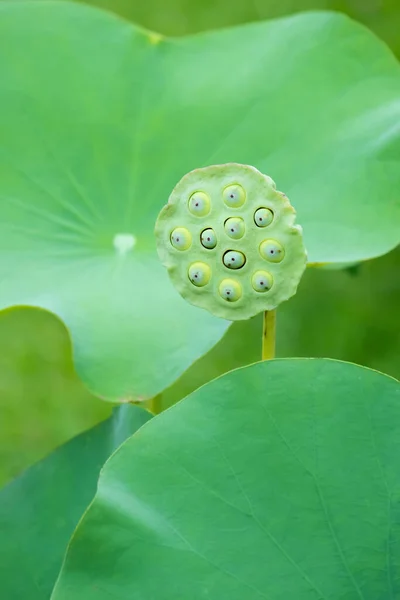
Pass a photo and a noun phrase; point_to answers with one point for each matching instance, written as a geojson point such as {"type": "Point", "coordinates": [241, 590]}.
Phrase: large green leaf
{"type": "Point", "coordinates": [40, 510]}
{"type": "Point", "coordinates": [98, 121]}
{"type": "Point", "coordinates": [280, 480]}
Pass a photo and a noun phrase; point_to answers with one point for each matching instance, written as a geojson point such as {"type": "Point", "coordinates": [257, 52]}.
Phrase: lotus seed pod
{"type": "Point", "coordinates": [199, 204]}
{"type": "Point", "coordinates": [230, 290]}
{"type": "Point", "coordinates": [208, 238]}
{"type": "Point", "coordinates": [199, 274]}
{"type": "Point", "coordinates": [234, 259]}
{"type": "Point", "coordinates": [263, 217]}
{"type": "Point", "coordinates": [234, 196]}
{"type": "Point", "coordinates": [235, 228]}
{"type": "Point", "coordinates": [262, 281]}
{"type": "Point", "coordinates": [272, 250]}
{"type": "Point", "coordinates": [181, 238]}
{"type": "Point", "coordinates": [216, 208]}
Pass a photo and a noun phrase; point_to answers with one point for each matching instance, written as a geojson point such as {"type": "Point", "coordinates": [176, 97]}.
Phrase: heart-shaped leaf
{"type": "Point", "coordinates": [280, 480]}
{"type": "Point", "coordinates": [99, 120]}
{"type": "Point", "coordinates": [40, 510]}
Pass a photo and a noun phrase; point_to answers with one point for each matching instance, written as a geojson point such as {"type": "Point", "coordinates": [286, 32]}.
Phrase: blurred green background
{"type": "Point", "coordinates": [351, 314]}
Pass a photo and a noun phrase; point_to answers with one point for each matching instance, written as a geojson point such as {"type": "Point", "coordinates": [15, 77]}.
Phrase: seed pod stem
{"type": "Point", "coordinates": [268, 336]}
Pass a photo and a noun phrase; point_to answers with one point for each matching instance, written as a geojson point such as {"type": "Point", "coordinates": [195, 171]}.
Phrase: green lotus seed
{"type": "Point", "coordinates": [234, 196]}
{"type": "Point", "coordinates": [233, 259]}
{"type": "Point", "coordinates": [181, 238]}
{"type": "Point", "coordinates": [230, 290]}
{"type": "Point", "coordinates": [208, 238]}
{"type": "Point", "coordinates": [199, 204]}
{"type": "Point", "coordinates": [263, 217]}
{"type": "Point", "coordinates": [199, 274]}
{"type": "Point", "coordinates": [272, 251]}
{"type": "Point", "coordinates": [262, 281]}
{"type": "Point", "coordinates": [235, 228]}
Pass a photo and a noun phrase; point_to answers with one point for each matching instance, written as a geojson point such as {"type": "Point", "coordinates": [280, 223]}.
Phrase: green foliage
{"type": "Point", "coordinates": [77, 193]}
{"type": "Point", "coordinates": [76, 189]}
{"type": "Point", "coordinates": [177, 17]}
{"type": "Point", "coordinates": [40, 510]}
{"type": "Point", "coordinates": [42, 402]}
{"type": "Point", "coordinates": [279, 481]}
{"type": "Point", "coordinates": [347, 314]}
{"type": "Point", "coordinates": [342, 314]}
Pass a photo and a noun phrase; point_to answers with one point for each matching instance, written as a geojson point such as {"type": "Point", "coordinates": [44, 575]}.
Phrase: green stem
{"type": "Point", "coordinates": [268, 337]}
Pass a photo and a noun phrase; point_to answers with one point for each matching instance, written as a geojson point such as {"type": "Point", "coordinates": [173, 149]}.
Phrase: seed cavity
{"type": "Point", "coordinates": [199, 204]}
{"type": "Point", "coordinates": [272, 251]}
{"type": "Point", "coordinates": [263, 217]}
{"type": "Point", "coordinates": [181, 238]}
{"type": "Point", "coordinates": [234, 259]}
{"type": "Point", "coordinates": [230, 290]}
{"type": "Point", "coordinates": [234, 195]}
{"type": "Point", "coordinates": [262, 281]}
{"type": "Point", "coordinates": [208, 238]}
{"type": "Point", "coordinates": [199, 274]}
{"type": "Point", "coordinates": [234, 227]}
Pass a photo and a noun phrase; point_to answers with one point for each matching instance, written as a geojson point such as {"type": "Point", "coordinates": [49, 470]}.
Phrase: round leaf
{"type": "Point", "coordinates": [40, 510]}
{"type": "Point", "coordinates": [279, 480]}
{"type": "Point", "coordinates": [93, 141]}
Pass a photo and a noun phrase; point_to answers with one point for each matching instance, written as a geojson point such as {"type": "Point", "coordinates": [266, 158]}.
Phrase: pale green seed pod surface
{"type": "Point", "coordinates": [229, 241]}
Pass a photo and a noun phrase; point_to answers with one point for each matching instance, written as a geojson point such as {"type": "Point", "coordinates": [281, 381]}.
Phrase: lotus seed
{"type": "Point", "coordinates": [199, 274]}
{"type": "Point", "coordinates": [263, 217]}
{"type": "Point", "coordinates": [208, 238]}
{"type": "Point", "coordinates": [234, 196]}
{"type": "Point", "coordinates": [230, 290]}
{"type": "Point", "coordinates": [181, 238]}
{"type": "Point", "coordinates": [272, 251]}
{"type": "Point", "coordinates": [234, 227]}
{"type": "Point", "coordinates": [261, 281]}
{"type": "Point", "coordinates": [199, 204]}
{"type": "Point", "coordinates": [233, 259]}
